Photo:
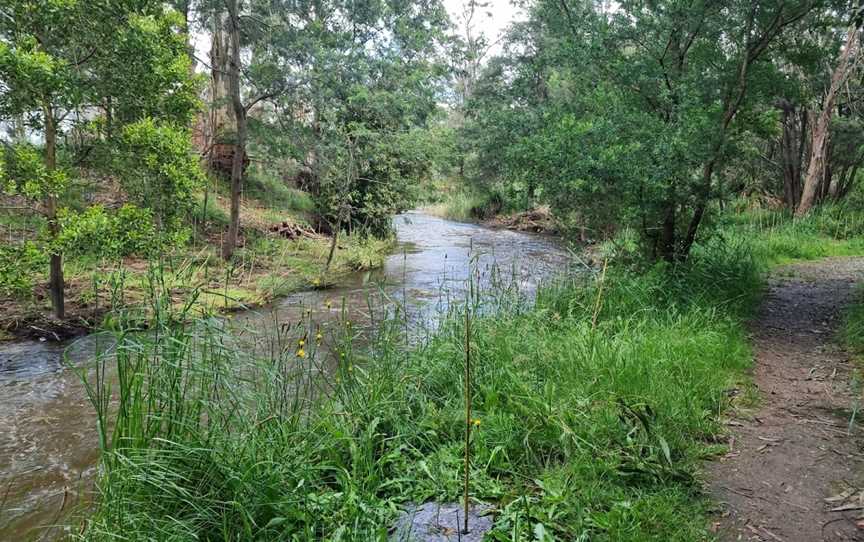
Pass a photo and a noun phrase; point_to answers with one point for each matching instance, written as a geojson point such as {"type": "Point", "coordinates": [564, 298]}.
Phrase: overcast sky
{"type": "Point", "coordinates": [503, 13]}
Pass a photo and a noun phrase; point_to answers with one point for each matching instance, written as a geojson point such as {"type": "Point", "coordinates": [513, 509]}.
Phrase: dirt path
{"type": "Point", "coordinates": [795, 450]}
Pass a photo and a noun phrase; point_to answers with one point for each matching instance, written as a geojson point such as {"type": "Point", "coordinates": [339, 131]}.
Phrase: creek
{"type": "Point", "coordinates": [48, 437]}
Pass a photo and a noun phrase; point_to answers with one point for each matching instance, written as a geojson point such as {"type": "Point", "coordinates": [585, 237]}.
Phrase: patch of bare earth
{"type": "Point", "coordinates": [795, 469]}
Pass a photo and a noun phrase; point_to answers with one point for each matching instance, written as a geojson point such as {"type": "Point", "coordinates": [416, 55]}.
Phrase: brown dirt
{"type": "Point", "coordinates": [32, 319]}
{"type": "Point", "coordinates": [795, 469]}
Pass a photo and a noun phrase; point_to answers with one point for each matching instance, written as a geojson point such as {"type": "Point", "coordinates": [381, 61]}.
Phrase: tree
{"type": "Point", "coordinates": [363, 78]}
{"type": "Point", "coordinates": [239, 28]}
{"type": "Point", "coordinates": [237, 165]}
{"type": "Point", "coordinates": [629, 113]}
{"type": "Point", "coordinates": [821, 131]}
{"type": "Point", "coordinates": [64, 61]}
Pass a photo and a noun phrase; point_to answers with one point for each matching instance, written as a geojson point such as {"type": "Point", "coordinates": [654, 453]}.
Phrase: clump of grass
{"type": "Point", "coordinates": [777, 238]}
{"type": "Point", "coordinates": [595, 411]}
{"type": "Point", "coordinates": [276, 192]}
{"type": "Point", "coordinates": [853, 325]}
{"type": "Point", "coordinates": [466, 203]}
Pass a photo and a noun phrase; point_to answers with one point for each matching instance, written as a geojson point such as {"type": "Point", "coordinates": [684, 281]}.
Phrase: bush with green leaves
{"type": "Point", "coordinates": [160, 170]}
{"type": "Point", "coordinates": [96, 231]}
{"type": "Point", "coordinates": [19, 264]}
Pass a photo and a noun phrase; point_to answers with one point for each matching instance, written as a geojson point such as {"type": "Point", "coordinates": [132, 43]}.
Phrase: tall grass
{"type": "Point", "coordinates": [777, 238]}
{"type": "Point", "coordinates": [595, 408]}
{"type": "Point", "coordinates": [466, 203]}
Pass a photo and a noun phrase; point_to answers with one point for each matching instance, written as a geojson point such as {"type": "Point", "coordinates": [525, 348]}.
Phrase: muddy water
{"type": "Point", "coordinates": [48, 444]}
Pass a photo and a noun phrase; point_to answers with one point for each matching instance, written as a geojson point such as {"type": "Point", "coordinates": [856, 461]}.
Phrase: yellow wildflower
{"type": "Point", "coordinates": [316, 282]}
{"type": "Point", "coordinates": [301, 353]}
{"type": "Point", "coordinates": [318, 337]}
{"type": "Point", "coordinates": [301, 343]}
{"type": "Point", "coordinates": [476, 423]}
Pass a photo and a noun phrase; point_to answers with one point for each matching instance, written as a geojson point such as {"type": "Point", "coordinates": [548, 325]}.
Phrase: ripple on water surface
{"type": "Point", "coordinates": [48, 440]}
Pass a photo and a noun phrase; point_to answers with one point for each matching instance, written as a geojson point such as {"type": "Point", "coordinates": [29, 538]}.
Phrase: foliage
{"type": "Point", "coordinates": [625, 117]}
{"type": "Point", "coordinates": [23, 171]}
{"type": "Point", "coordinates": [160, 171]}
{"type": "Point", "coordinates": [72, 74]}
{"type": "Point", "coordinates": [369, 79]}
{"type": "Point", "coordinates": [148, 74]}
{"type": "Point", "coordinates": [129, 230]}
{"type": "Point", "coordinates": [19, 265]}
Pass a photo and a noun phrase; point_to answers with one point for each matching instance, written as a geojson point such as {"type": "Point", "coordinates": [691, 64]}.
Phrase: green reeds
{"type": "Point", "coordinates": [211, 434]}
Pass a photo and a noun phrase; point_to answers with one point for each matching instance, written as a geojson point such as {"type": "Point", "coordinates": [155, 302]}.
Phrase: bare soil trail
{"type": "Point", "coordinates": [795, 470]}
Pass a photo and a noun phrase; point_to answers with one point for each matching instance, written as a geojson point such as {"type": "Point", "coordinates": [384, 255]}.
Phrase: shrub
{"type": "Point", "coordinates": [19, 264]}
{"type": "Point", "coordinates": [130, 230]}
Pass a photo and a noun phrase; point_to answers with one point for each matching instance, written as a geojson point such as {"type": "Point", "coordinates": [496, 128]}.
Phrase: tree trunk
{"type": "Point", "coordinates": [55, 280]}
{"type": "Point", "coordinates": [821, 135]}
{"type": "Point", "coordinates": [792, 152]}
{"type": "Point", "coordinates": [230, 241]}
{"type": "Point", "coordinates": [668, 240]}
{"type": "Point", "coordinates": [333, 245]}
{"type": "Point", "coordinates": [754, 49]}
{"type": "Point", "coordinates": [220, 88]}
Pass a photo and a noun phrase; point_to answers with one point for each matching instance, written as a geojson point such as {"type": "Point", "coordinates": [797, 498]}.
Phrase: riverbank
{"type": "Point", "coordinates": [595, 410]}
{"type": "Point", "coordinates": [537, 220]}
{"type": "Point", "coordinates": [279, 255]}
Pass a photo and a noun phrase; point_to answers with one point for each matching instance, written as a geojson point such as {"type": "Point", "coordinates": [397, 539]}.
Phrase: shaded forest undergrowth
{"type": "Point", "coordinates": [593, 407]}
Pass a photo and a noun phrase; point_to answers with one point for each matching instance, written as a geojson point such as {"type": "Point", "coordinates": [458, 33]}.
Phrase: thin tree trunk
{"type": "Point", "coordinates": [55, 280]}
{"type": "Point", "coordinates": [791, 153]}
{"type": "Point", "coordinates": [219, 114]}
{"type": "Point", "coordinates": [848, 183]}
{"type": "Point", "coordinates": [733, 99]}
{"type": "Point", "coordinates": [333, 245]}
{"type": "Point", "coordinates": [821, 135]}
{"type": "Point", "coordinates": [230, 241]}
{"type": "Point", "coordinates": [668, 234]}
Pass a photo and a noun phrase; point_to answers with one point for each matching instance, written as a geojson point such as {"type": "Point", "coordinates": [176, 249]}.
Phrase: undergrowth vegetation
{"type": "Point", "coordinates": [98, 243]}
{"type": "Point", "coordinates": [462, 201]}
{"type": "Point", "coordinates": [595, 406]}
{"type": "Point", "coordinates": [829, 230]}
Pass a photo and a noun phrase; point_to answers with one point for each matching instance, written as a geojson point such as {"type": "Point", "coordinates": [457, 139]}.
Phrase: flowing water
{"type": "Point", "coordinates": [48, 441]}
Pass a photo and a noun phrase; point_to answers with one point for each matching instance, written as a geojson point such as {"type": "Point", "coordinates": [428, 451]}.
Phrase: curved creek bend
{"type": "Point", "coordinates": [48, 436]}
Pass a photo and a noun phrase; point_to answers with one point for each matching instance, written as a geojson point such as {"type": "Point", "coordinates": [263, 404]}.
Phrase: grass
{"type": "Point", "coordinates": [773, 237]}
{"type": "Point", "coordinates": [829, 230]}
{"type": "Point", "coordinates": [462, 202]}
{"type": "Point", "coordinates": [265, 268]}
{"type": "Point", "coordinates": [266, 187]}
{"type": "Point", "coordinates": [852, 335]}
{"type": "Point", "coordinates": [597, 404]}
{"type": "Point", "coordinates": [853, 324]}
